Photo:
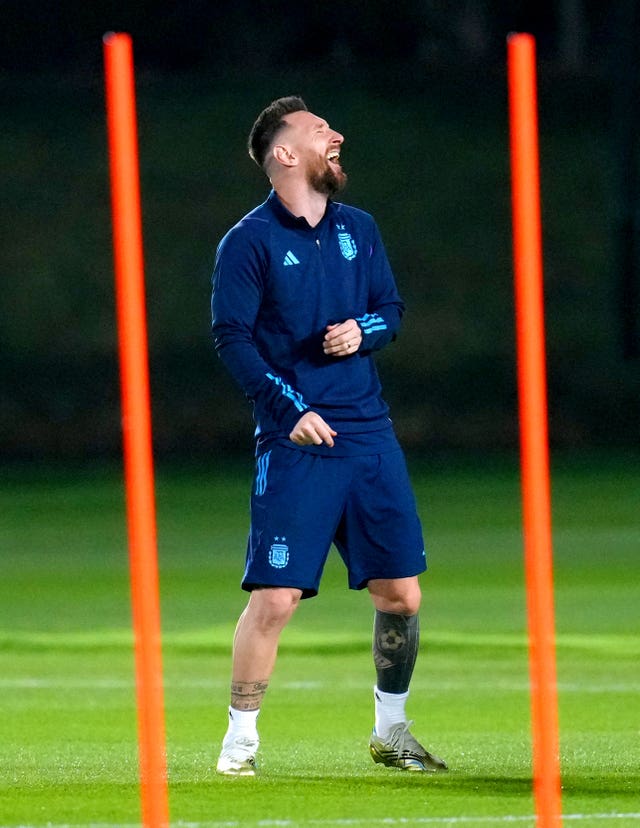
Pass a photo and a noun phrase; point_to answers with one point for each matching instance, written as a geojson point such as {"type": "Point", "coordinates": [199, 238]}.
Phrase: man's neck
{"type": "Point", "coordinates": [303, 202]}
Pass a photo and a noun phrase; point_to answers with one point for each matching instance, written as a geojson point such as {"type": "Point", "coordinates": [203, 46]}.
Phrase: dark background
{"type": "Point", "coordinates": [419, 91]}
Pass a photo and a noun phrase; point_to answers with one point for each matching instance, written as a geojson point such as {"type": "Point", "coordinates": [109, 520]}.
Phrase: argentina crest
{"type": "Point", "coordinates": [347, 244]}
{"type": "Point", "coordinates": [279, 554]}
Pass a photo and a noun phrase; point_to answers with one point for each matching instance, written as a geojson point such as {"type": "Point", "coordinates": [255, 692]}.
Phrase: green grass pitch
{"type": "Point", "coordinates": [68, 751]}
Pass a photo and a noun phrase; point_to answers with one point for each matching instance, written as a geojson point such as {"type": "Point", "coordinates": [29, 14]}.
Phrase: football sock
{"type": "Point", "coordinates": [389, 710]}
{"type": "Point", "coordinates": [242, 723]}
{"type": "Point", "coordinates": [395, 648]}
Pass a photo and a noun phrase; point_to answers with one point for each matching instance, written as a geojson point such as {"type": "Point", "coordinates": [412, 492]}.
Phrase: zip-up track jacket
{"type": "Point", "coordinates": [277, 284]}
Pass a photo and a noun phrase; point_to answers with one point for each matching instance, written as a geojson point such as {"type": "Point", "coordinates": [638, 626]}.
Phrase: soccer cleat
{"type": "Point", "coordinates": [401, 750]}
{"type": "Point", "coordinates": [238, 756]}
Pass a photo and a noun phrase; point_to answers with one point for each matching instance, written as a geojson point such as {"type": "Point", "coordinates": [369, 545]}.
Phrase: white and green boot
{"type": "Point", "coordinates": [238, 756]}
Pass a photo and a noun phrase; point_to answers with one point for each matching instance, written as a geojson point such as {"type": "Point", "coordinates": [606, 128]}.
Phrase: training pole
{"type": "Point", "coordinates": [136, 424]}
{"type": "Point", "coordinates": [536, 500]}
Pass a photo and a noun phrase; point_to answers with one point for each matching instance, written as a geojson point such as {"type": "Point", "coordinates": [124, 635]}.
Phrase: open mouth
{"type": "Point", "coordinates": [334, 157]}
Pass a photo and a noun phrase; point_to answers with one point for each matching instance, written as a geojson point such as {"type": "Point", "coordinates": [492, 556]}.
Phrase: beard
{"type": "Point", "coordinates": [326, 181]}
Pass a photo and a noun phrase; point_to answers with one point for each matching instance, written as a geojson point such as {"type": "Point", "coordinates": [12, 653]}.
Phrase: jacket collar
{"type": "Point", "coordinates": [287, 218]}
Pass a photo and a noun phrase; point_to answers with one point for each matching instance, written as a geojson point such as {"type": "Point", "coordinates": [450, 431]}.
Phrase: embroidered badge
{"type": "Point", "coordinates": [347, 244]}
{"type": "Point", "coordinates": [279, 554]}
{"type": "Point", "coordinates": [290, 259]}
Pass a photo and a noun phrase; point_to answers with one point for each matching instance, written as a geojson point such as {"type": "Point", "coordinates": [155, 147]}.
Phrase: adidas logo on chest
{"type": "Point", "coordinates": [291, 259]}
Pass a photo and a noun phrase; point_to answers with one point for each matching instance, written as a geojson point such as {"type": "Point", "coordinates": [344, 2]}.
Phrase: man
{"type": "Point", "coordinates": [303, 294]}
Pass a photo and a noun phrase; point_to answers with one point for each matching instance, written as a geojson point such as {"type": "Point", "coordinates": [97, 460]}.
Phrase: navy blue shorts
{"type": "Point", "coordinates": [301, 503]}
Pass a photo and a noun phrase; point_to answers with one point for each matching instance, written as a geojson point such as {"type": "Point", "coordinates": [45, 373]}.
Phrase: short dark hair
{"type": "Point", "coordinates": [268, 123]}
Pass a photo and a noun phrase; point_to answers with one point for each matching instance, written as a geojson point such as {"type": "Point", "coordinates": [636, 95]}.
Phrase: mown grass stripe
{"type": "Point", "coordinates": [219, 637]}
{"type": "Point", "coordinates": [326, 823]}
{"type": "Point", "coordinates": [35, 683]}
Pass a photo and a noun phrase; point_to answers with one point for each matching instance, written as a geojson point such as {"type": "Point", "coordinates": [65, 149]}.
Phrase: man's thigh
{"type": "Point", "coordinates": [296, 504]}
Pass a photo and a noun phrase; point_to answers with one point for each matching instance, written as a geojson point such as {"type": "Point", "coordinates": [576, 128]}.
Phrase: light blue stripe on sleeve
{"type": "Point", "coordinates": [371, 322]}
{"type": "Point", "coordinates": [287, 390]}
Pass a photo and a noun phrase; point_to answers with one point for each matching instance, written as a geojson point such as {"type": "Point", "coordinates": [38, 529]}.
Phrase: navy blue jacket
{"type": "Point", "coordinates": [277, 284]}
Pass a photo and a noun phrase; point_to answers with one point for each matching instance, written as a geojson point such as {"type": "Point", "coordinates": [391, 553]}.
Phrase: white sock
{"type": "Point", "coordinates": [389, 710]}
{"type": "Point", "coordinates": [242, 723]}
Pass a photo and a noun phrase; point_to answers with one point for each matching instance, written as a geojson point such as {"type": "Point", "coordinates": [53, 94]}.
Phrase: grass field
{"type": "Point", "coordinates": [68, 752]}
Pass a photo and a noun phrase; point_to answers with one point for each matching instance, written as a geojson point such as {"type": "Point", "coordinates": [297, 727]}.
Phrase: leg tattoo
{"type": "Point", "coordinates": [395, 648]}
{"type": "Point", "coordinates": [248, 695]}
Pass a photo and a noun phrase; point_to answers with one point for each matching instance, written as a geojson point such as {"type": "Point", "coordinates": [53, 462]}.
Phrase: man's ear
{"type": "Point", "coordinates": [284, 155]}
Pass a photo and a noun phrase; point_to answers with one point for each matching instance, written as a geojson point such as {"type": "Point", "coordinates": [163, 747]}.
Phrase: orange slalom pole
{"type": "Point", "coordinates": [138, 452]}
{"type": "Point", "coordinates": [530, 338]}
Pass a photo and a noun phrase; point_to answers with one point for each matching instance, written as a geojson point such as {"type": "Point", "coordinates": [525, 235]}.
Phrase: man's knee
{"type": "Point", "coordinates": [272, 607]}
{"type": "Point", "coordinates": [401, 596]}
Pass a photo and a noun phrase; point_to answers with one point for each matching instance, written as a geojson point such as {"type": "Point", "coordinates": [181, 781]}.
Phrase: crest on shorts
{"type": "Point", "coordinates": [279, 553]}
{"type": "Point", "coordinates": [347, 244]}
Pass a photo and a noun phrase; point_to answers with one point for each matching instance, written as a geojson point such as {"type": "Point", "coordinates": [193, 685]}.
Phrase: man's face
{"type": "Point", "coordinates": [318, 147]}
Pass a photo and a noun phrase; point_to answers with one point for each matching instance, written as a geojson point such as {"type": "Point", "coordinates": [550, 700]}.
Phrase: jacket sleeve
{"type": "Point", "coordinates": [381, 323]}
{"type": "Point", "coordinates": [238, 284]}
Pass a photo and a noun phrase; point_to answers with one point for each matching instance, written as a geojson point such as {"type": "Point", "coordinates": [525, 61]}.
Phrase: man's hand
{"type": "Point", "coordinates": [311, 429]}
{"type": "Point", "coordinates": [342, 339]}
